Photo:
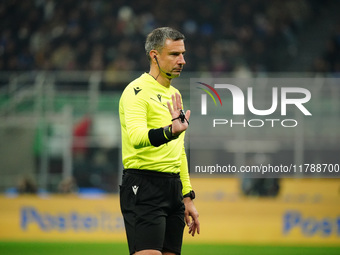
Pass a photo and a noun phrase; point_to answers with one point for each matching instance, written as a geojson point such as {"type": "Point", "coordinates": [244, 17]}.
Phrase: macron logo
{"type": "Point", "coordinates": [135, 189]}
{"type": "Point", "coordinates": [137, 90]}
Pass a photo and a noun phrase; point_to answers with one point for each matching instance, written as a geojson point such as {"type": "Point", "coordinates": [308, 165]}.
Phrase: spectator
{"type": "Point", "coordinates": [26, 185]}
{"type": "Point", "coordinates": [329, 61]}
{"type": "Point", "coordinates": [67, 186]}
{"type": "Point", "coordinates": [101, 35]}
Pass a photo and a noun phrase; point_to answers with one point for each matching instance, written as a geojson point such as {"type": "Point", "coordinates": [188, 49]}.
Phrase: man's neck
{"type": "Point", "coordinates": [158, 76]}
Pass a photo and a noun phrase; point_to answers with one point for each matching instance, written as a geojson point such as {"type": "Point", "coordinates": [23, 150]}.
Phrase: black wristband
{"type": "Point", "coordinates": [156, 137]}
{"type": "Point", "coordinates": [161, 136]}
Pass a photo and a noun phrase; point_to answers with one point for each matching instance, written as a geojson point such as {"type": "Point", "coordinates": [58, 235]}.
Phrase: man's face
{"type": "Point", "coordinates": [171, 57]}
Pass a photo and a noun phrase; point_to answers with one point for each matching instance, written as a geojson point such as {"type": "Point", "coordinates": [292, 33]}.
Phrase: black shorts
{"type": "Point", "coordinates": [153, 210]}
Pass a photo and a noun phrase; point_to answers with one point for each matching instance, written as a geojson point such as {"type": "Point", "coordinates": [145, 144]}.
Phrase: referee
{"type": "Point", "coordinates": [156, 196]}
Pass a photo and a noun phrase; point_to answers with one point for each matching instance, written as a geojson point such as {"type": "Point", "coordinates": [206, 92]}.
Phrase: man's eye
{"type": "Point", "coordinates": [177, 54]}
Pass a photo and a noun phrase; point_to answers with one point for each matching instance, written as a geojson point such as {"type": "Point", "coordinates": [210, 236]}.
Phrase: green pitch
{"type": "Point", "coordinates": [15, 248]}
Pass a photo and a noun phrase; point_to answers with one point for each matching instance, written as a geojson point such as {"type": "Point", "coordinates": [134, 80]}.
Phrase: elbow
{"type": "Point", "coordinates": [138, 141]}
{"type": "Point", "coordinates": [137, 145]}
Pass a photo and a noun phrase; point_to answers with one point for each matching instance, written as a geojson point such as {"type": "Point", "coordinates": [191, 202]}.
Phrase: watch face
{"type": "Point", "coordinates": [192, 194]}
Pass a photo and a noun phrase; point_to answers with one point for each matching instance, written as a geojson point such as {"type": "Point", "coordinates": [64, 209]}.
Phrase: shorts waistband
{"type": "Point", "coordinates": [151, 173]}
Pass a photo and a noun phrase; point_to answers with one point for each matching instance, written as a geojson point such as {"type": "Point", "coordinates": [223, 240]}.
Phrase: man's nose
{"type": "Point", "coordinates": [181, 60]}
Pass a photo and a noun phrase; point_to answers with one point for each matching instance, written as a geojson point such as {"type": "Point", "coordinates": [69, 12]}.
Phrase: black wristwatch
{"type": "Point", "coordinates": [191, 194]}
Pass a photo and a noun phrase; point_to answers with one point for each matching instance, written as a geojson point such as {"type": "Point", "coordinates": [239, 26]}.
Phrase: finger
{"type": "Point", "coordinates": [193, 229]}
{"type": "Point", "coordinates": [196, 224]}
{"type": "Point", "coordinates": [190, 227]}
{"type": "Point", "coordinates": [198, 227]}
{"type": "Point", "coordinates": [169, 107]}
{"type": "Point", "coordinates": [178, 101]}
{"type": "Point", "coordinates": [174, 105]}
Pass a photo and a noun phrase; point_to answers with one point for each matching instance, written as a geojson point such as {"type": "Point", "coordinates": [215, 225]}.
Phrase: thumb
{"type": "Point", "coordinates": [187, 114]}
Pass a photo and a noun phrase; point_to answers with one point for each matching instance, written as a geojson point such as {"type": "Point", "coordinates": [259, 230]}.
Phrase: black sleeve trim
{"type": "Point", "coordinates": [156, 137]}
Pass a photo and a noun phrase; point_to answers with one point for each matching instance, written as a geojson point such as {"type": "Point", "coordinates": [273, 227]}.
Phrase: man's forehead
{"type": "Point", "coordinates": [171, 45]}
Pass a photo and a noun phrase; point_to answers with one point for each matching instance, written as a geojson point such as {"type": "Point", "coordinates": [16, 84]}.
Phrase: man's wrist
{"type": "Point", "coordinates": [168, 133]}
{"type": "Point", "coordinates": [191, 195]}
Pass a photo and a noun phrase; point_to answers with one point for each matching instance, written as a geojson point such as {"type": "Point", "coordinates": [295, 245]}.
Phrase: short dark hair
{"type": "Point", "coordinates": [156, 39]}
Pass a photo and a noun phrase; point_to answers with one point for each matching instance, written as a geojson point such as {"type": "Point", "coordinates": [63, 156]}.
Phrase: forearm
{"type": "Point", "coordinates": [185, 178]}
{"type": "Point", "coordinates": [142, 136]}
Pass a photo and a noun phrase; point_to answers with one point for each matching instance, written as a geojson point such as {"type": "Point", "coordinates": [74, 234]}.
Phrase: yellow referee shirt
{"type": "Point", "coordinates": [143, 106]}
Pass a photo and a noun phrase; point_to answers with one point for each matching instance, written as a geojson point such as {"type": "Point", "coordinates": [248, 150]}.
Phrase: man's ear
{"type": "Point", "coordinates": [153, 55]}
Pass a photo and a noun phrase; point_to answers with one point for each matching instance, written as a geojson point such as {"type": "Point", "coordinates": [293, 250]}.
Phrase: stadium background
{"type": "Point", "coordinates": [63, 65]}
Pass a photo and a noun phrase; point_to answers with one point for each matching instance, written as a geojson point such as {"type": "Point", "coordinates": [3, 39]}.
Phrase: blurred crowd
{"type": "Point", "coordinates": [329, 60]}
{"type": "Point", "coordinates": [221, 36]}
